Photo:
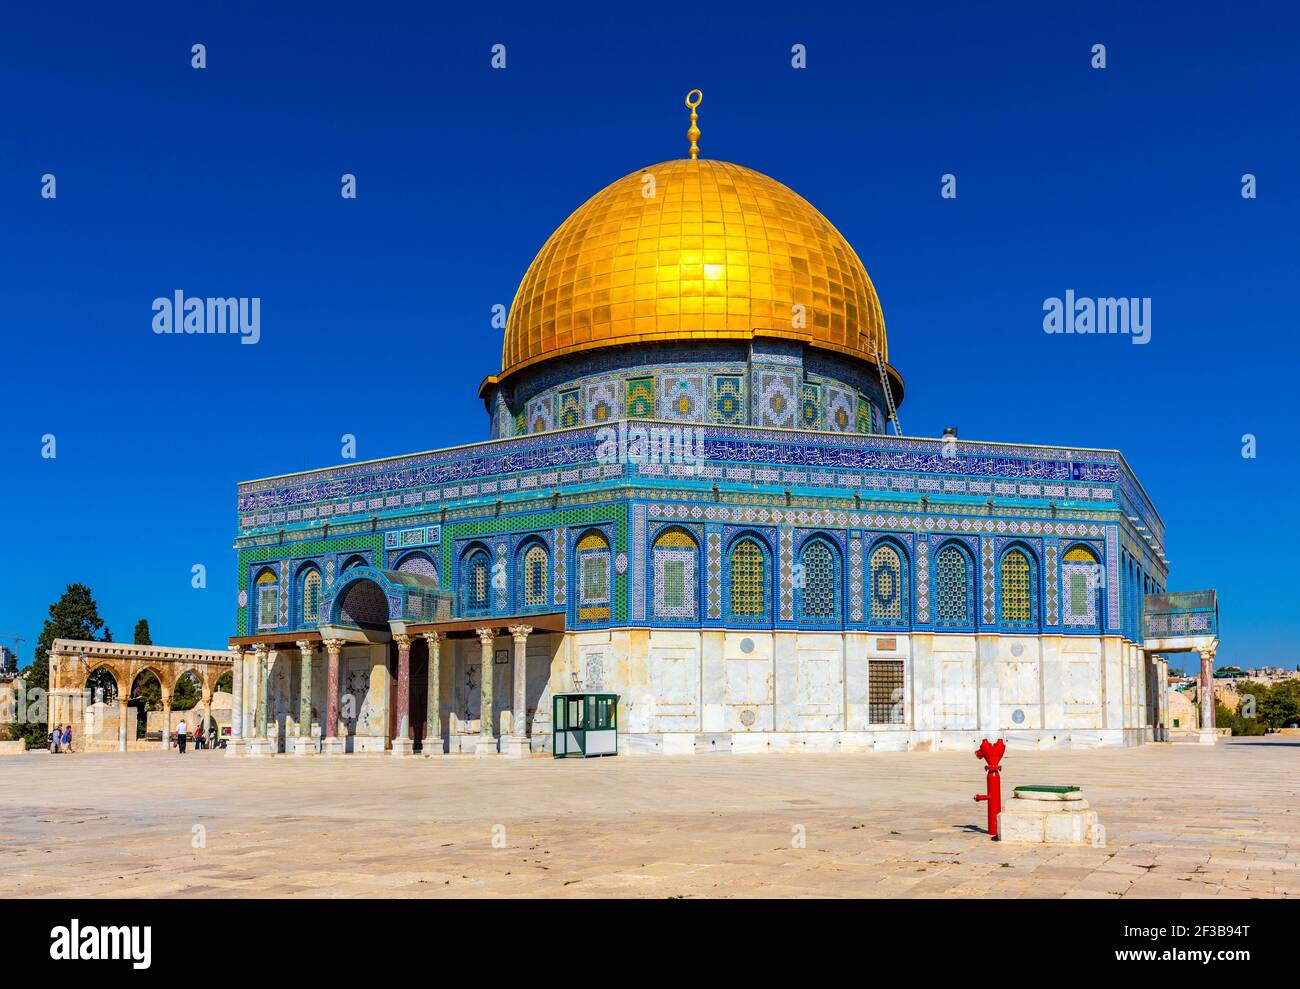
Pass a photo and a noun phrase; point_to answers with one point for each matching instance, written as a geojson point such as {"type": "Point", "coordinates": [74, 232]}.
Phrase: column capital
{"type": "Point", "coordinates": [520, 632]}
{"type": "Point", "coordinates": [261, 649]}
{"type": "Point", "coordinates": [1206, 654]}
{"type": "Point", "coordinates": [237, 653]}
{"type": "Point", "coordinates": [432, 637]}
{"type": "Point", "coordinates": [486, 635]}
{"type": "Point", "coordinates": [305, 646]}
{"type": "Point", "coordinates": [403, 640]}
{"type": "Point", "coordinates": [334, 646]}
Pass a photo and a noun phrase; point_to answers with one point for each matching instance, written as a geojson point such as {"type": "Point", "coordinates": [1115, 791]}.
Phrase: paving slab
{"type": "Point", "coordinates": [1181, 821]}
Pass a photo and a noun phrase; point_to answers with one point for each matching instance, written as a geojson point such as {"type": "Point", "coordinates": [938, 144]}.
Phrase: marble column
{"type": "Point", "coordinates": [236, 739]}
{"type": "Point", "coordinates": [517, 744]}
{"type": "Point", "coordinates": [167, 720]}
{"type": "Point", "coordinates": [403, 744]}
{"type": "Point", "coordinates": [304, 744]}
{"type": "Point", "coordinates": [122, 711]}
{"type": "Point", "coordinates": [332, 744]}
{"type": "Point", "coordinates": [207, 713]}
{"type": "Point", "coordinates": [260, 743]}
{"type": "Point", "coordinates": [433, 720]}
{"type": "Point", "coordinates": [1208, 732]}
{"type": "Point", "coordinates": [260, 654]}
{"type": "Point", "coordinates": [487, 742]}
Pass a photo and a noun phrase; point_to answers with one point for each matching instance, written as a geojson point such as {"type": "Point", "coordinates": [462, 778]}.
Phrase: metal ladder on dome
{"type": "Point", "coordinates": [889, 395]}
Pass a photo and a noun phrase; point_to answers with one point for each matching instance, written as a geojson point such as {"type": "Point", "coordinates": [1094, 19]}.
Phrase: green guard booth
{"type": "Point", "coordinates": [584, 725]}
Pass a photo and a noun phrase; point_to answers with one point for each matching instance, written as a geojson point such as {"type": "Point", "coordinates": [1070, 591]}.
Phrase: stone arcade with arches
{"type": "Point", "coordinates": [90, 687]}
{"type": "Point", "coordinates": [690, 498]}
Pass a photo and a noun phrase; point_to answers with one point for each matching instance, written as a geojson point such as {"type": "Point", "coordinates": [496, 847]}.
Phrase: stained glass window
{"type": "Point", "coordinates": [1017, 599]}
{"type": "Point", "coordinates": [1081, 575]}
{"type": "Point", "coordinates": [477, 581]}
{"type": "Point", "coordinates": [675, 559]}
{"type": "Point", "coordinates": [535, 576]}
{"type": "Point", "coordinates": [818, 581]}
{"type": "Point", "coordinates": [570, 409]}
{"type": "Point", "coordinates": [592, 553]}
{"type": "Point", "coordinates": [886, 586]}
{"type": "Point", "coordinates": [311, 596]}
{"type": "Point", "coordinates": [952, 593]}
{"type": "Point", "coordinates": [748, 580]}
{"type": "Point", "coordinates": [268, 600]}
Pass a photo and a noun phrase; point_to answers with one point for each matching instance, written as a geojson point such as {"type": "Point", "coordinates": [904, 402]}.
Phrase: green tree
{"type": "Point", "coordinates": [187, 693]}
{"type": "Point", "coordinates": [1237, 722]}
{"type": "Point", "coordinates": [73, 616]}
{"type": "Point", "coordinates": [1281, 706]}
{"type": "Point", "coordinates": [147, 691]}
{"type": "Point", "coordinates": [142, 633]}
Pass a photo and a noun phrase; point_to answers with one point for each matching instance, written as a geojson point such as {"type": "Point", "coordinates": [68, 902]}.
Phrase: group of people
{"type": "Point", "coordinates": [201, 741]}
{"type": "Point", "coordinates": [61, 738]}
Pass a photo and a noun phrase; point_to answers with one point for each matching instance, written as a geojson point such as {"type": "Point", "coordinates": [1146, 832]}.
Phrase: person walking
{"type": "Point", "coordinates": [67, 738]}
{"type": "Point", "coordinates": [198, 737]}
{"type": "Point", "coordinates": [56, 737]}
{"type": "Point", "coordinates": [182, 735]}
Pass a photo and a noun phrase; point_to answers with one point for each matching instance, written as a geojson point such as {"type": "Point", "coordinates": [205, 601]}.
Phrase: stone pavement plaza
{"type": "Point", "coordinates": [1181, 820]}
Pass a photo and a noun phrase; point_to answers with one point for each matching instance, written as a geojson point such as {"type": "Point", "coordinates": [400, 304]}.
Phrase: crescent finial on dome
{"type": "Point", "coordinates": [694, 132]}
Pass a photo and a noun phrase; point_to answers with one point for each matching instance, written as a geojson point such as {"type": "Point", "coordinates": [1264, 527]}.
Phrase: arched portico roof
{"type": "Point", "coordinates": [410, 596]}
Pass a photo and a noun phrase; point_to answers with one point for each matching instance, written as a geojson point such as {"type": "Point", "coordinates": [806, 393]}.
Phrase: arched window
{"type": "Point", "coordinates": [592, 558]}
{"type": "Point", "coordinates": [952, 587]}
{"type": "Point", "coordinates": [268, 599]}
{"type": "Point", "coordinates": [819, 580]}
{"type": "Point", "coordinates": [675, 560]}
{"type": "Point", "coordinates": [748, 580]}
{"type": "Point", "coordinates": [887, 607]}
{"type": "Point", "coordinates": [478, 581]}
{"type": "Point", "coordinates": [311, 596]}
{"type": "Point", "coordinates": [353, 561]}
{"type": "Point", "coordinates": [419, 563]}
{"type": "Point", "coordinates": [535, 576]}
{"type": "Point", "coordinates": [1017, 589]}
{"type": "Point", "coordinates": [1081, 577]}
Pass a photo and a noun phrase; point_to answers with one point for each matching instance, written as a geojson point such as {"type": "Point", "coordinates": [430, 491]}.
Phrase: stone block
{"type": "Point", "coordinates": [514, 747]}
{"type": "Point", "coordinates": [1051, 819]}
{"type": "Point", "coordinates": [678, 743]}
{"type": "Point", "coordinates": [403, 748]}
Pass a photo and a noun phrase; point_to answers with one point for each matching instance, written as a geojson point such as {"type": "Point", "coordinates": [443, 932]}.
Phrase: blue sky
{"type": "Point", "coordinates": [375, 312]}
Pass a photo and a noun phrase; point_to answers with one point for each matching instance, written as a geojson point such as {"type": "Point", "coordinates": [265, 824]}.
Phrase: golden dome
{"type": "Point", "coordinates": [693, 250]}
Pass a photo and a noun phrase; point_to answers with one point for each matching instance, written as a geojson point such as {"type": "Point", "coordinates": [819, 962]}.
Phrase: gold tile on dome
{"type": "Point", "coordinates": [719, 242]}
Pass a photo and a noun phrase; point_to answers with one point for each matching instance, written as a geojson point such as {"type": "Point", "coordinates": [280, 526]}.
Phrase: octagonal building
{"type": "Point", "coordinates": [689, 498]}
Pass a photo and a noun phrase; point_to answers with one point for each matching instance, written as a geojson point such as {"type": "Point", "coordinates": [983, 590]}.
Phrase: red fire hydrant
{"type": "Point", "coordinates": [991, 753]}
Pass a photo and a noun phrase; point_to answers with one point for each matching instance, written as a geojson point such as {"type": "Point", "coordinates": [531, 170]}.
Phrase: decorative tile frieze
{"type": "Point", "coordinates": [922, 581]}
{"type": "Point", "coordinates": [987, 572]}
{"type": "Point", "coordinates": [714, 562]}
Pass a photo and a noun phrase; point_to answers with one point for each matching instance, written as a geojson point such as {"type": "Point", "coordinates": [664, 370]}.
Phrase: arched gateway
{"type": "Point", "coordinates": [81, 673]}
